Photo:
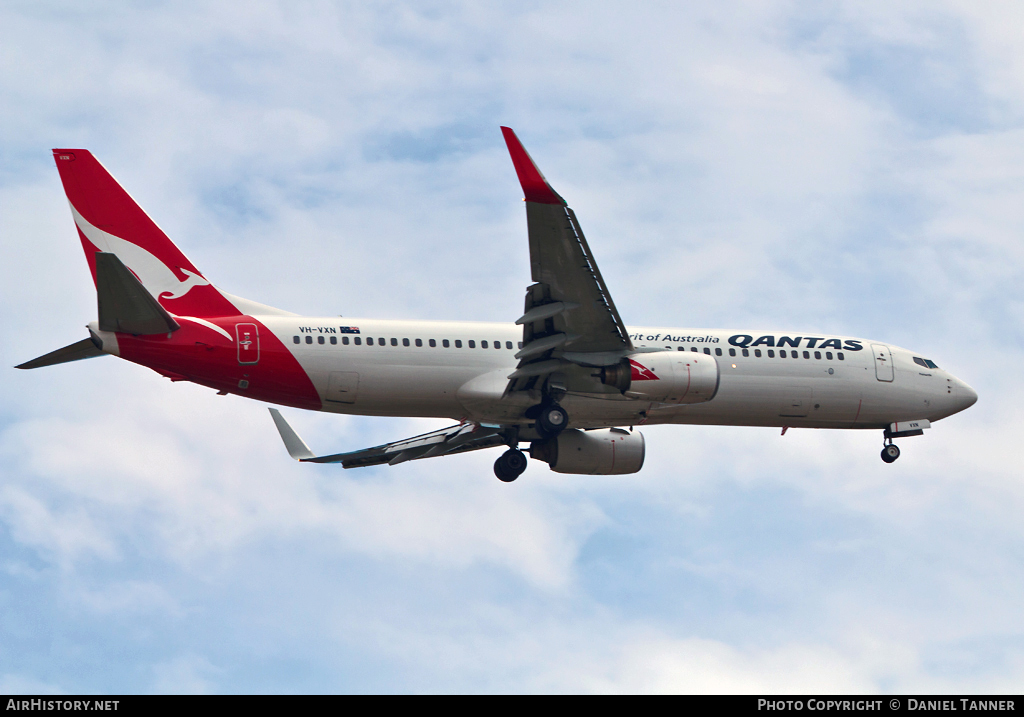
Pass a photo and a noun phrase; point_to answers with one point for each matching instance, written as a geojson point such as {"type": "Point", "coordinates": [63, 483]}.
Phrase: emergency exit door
{"type": "Point", "coordinates": [883, 362]}
{"type": "Point", "coordinates": [248, 343]}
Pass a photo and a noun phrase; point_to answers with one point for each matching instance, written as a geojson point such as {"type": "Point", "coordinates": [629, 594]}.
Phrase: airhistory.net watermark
{"type": "Point", "coordinates": [41, 705]}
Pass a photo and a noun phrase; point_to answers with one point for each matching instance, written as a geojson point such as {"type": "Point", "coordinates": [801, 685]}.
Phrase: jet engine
{"type": "Point", "coordinates": [604, 452]}
{"type": "Point", "coordinates": [665, 377]}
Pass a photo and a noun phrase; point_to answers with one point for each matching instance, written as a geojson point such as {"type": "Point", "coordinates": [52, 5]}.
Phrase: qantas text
{"type": "Point", "coordinates": [812, 342]}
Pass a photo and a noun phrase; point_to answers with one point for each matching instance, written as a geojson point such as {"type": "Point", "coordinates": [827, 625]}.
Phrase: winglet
{"type": "Point", "coordinates": [535, 186]}
{"type": "Point", "coordinates": [297, 448]}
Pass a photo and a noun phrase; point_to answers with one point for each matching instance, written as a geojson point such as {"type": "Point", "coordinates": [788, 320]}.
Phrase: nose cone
{"type": "Point", "coordinates": [965, 396]}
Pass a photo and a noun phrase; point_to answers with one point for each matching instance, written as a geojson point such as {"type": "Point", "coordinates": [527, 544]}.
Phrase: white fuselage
{"type": "Point", "coordinates": [442, 369]}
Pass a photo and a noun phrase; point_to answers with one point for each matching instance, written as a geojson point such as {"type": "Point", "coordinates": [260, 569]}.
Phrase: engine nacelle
{"type": "Point", "coordinates": [603, 452]}
{"type": "Point", "coordinates": [666, 377]}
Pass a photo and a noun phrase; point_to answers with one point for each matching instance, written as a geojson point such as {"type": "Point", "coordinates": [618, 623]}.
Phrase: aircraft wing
{"type": "Point", "coordinates": [446, 441]}
{"type": "Point", "coordinates": [569, 313]}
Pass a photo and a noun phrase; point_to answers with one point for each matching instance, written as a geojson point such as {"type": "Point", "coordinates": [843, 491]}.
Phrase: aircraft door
{"type": "Point", "coordinates": [248, 339]}
{"type": "Point", "coordinates": [883, 362]}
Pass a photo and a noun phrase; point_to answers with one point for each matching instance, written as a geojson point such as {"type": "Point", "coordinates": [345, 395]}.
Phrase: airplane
{"type": "Point", "coordinates": [568, 377]}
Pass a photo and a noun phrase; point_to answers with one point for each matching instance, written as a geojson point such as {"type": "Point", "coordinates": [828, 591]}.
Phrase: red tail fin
{"type": "Point", "coordinates": [109, 220]}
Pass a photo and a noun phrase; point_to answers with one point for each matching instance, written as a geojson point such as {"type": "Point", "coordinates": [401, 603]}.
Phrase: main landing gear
{"type": "Point", "coordinates": [510, 465]}
{"type": "Point", "coordinates": [890, 452]}
{"type": "Point", "coordinates": [552, 420]}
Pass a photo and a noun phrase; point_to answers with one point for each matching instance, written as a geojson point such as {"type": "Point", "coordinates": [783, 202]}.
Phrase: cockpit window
{"type": "Point", "coordinates": [927, 363]}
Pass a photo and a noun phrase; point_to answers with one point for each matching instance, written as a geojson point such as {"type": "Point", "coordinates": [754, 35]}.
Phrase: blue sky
{"type": "Point", "coordinates": [849, 167]}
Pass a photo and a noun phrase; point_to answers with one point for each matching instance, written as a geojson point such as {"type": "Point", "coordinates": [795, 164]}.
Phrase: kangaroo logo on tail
{"type": "Point", "coordinates": [156, 276]}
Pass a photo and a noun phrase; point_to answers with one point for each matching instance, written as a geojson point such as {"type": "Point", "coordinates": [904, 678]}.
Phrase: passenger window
{"type": "Point", "coordinates": [472, 344]}
{"type": "Point", "coordinates": [369, 341]}
{"type": "Point", "coordinates": [694, 349]}
{"type": "Point", "coordinates": [817, 354]}
{"type": "Point", "coordinates": [419, 342]}
{"type": "Point", "coordinates": [757, 353]}
{"type": "Point", "coordinates": [358, 340]}
{"type": "Point", "coordinates": [707, 350]}
{"type": "Point", "coordinates": [334, 341]}
{"type": "Point", "coordinates": [520, 344]}
{"type": "Point", "coordinates": [320, 340]}
{"type": "Point", "coordinates": [746, 352]}
{"type": "Point", "coordinates": [483, 345]}
{"type": "Point", "coordinates": [295, 339]}
{"type": "Point", "coordinates": [782, 353]}
{"type": "Point", "coordinates": [732, 352]}
{"type": "Point", "coordinates": [840, 356]}
{"type": "Point", "coordinates": [309, 339]}
{"type": "Point", "coordinates": [828, 355]}
{"type": "Point", "coordinates": [807, 354]}
{"type": "Point", "coordinates": [394, 342]}
{"type": "Point", "coordinates": [508, 345]}
{"type": "Point", "coordinates": [771, 354]}
{"type": "Point", "coordinates": [458, 343]}
{"type": "Point", "coordinates": [679, 348]}
{"type": "Point", "coordinates": [718, 352]}
{"type": "Point", "coordinates": [445, 343]}
{"type": "Point", "coordinates": [344, 340]}
{"type": "Point", "coordinates": [433, 343]}
{"type": "Point", "coordinates": [497, 344]}
{"type": "Point", "coordinates": [405, 342]}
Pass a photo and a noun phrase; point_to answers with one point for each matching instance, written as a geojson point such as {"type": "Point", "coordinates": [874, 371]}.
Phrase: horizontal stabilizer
{"type": "Point", "coordinates": [124, 303]}
{"type": "Point", "coordinates": [75, 352]}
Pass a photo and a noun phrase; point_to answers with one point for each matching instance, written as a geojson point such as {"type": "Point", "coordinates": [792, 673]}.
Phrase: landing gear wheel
{"type": "Point", "coordinates": [510, 465]}
{"type": "Point", "coordinates": [890, 453]}
{"type": "Point", "coordinates": [552, 420]}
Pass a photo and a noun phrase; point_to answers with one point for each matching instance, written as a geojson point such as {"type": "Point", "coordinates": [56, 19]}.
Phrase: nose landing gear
{"type": "Point", "coordinates": [510, 465]}
{"type": "Point", "coordinates": [890, 452]}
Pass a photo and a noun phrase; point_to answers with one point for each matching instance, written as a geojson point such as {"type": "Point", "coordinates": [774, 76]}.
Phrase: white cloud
{"type": "Point", "coordinates": [65, 535]}
{"type": "Point", "coordinates": [128, 476]}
